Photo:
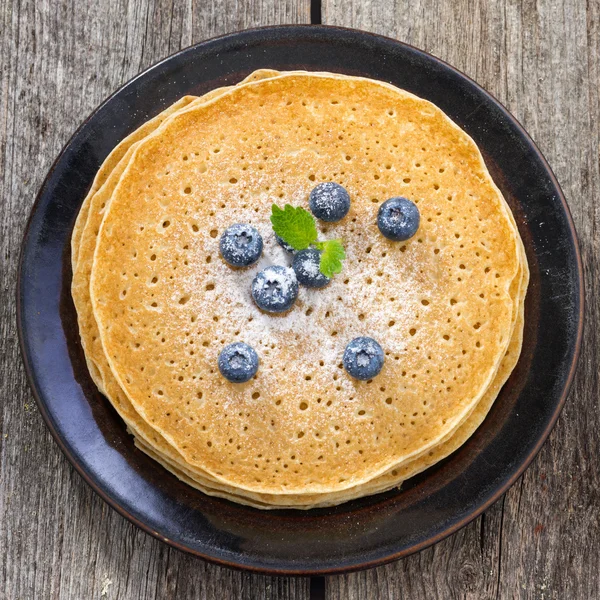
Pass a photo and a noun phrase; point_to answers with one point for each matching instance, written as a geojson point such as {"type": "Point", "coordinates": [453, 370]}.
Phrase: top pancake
{"type": "Point", "coordinates": [153, 444]}
{"type": "Point", "coordinates": [438, 304]}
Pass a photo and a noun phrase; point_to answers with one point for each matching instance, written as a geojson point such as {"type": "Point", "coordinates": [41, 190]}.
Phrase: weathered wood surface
{"type": "Point", "coordinates": [541, 59]}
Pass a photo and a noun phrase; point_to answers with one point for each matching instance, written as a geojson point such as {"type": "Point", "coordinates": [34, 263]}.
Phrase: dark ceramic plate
{"type": "Point", "coordinates": [361, 533]}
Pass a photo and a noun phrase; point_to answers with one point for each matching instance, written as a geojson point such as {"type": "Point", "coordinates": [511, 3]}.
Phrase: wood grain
{"type": "Point", "coordinates": [59, 59]}
{"type": "Point", "coordinates": [541, 59]}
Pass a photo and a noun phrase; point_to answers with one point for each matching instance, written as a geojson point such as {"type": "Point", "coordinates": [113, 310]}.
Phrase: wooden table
{"type": "Point", "coordinates": [60, 58]}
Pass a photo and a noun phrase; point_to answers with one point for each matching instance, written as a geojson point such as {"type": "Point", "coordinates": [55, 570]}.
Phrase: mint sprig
{"type": "Point", "coordinates": [332, 255]}
{"type": "Point", "coordinates": [296, 227]}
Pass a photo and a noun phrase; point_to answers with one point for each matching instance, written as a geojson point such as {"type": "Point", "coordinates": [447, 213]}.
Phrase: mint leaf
{"type": "Point", "coordinates": [331, 258]}
{"type": "Point", "coordinates": [295, 226]}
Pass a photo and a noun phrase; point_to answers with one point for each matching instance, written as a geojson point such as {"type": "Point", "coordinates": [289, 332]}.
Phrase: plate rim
{"type": "Point", "coordinates": [413, 548]}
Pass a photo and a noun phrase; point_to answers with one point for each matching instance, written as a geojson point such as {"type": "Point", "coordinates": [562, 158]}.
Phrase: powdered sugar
{"type": "Point", "coordinates": [322, 321]}
{"type": "Point", "coordinates": [310, 267]}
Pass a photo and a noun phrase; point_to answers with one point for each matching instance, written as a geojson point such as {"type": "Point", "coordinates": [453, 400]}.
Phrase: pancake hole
{"type": "Point", "coordinates": [233, 180]}
{"type": "Point", "coordinates": [300, 434]}
{"type": "Point", "coordinates": [303, 406]}
{"type": "Point", "coordinates": [184, 300]}
{"type": "Point", "coordinates": [477, 325]}
{"type": "Point", "coordinates": [213, 233]}
{"type": "Point", "coordinates": [412, 331]}
{"type": "Point", "coordinates": [187, 190]}
{"type": "Point", "coordinates": [391, 323]}
{"type": "Point", "coordinates": [425, 302]}
{"type": "Point", "coordinates": [255, 395]}
{"type": "Point", "coordinates": [446, 336]}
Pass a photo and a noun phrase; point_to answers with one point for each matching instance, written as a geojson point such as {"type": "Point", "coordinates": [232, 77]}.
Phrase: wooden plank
{"type": "Point", "coordinates": [59, 59]}
{"type": "Point", "coordinates": [541, 60]}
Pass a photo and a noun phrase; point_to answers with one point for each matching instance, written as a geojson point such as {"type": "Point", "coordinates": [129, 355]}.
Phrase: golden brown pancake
{"type": "Point", "coordinates": [470, 196]}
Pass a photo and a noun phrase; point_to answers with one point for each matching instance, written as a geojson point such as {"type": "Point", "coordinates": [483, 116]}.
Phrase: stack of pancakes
{"type": "Point", "coordinates": [156, 303]}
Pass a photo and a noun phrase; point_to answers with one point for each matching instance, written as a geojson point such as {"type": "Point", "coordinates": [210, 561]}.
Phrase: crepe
{"type": "Point", "coordinates": [385, 480]}
{"type": "Point", "coordinates": [369, 424]}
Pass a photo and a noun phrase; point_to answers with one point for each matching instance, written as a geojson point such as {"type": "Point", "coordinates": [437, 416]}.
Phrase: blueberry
{"type": "Point", "coordinates": [238, 362]}
{"type": "Point", "coordinates": [363, 358]}
{"type": "Point", "coordinates": [398, 219]}
{"type": "Point", "coordinates": [285, 245]}
{"type": "Point", "coordinates": [275, 289]}
{"type": "Point", "coordinates": [241, 245]}
{"type": "Point", "coordinates": [306, 266]}
{"type": "Point", "coordinates": [329, 202]}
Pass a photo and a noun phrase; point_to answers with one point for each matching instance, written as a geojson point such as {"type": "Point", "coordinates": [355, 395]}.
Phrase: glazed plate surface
{"type": "Point", "coordinates": [361, 533]}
